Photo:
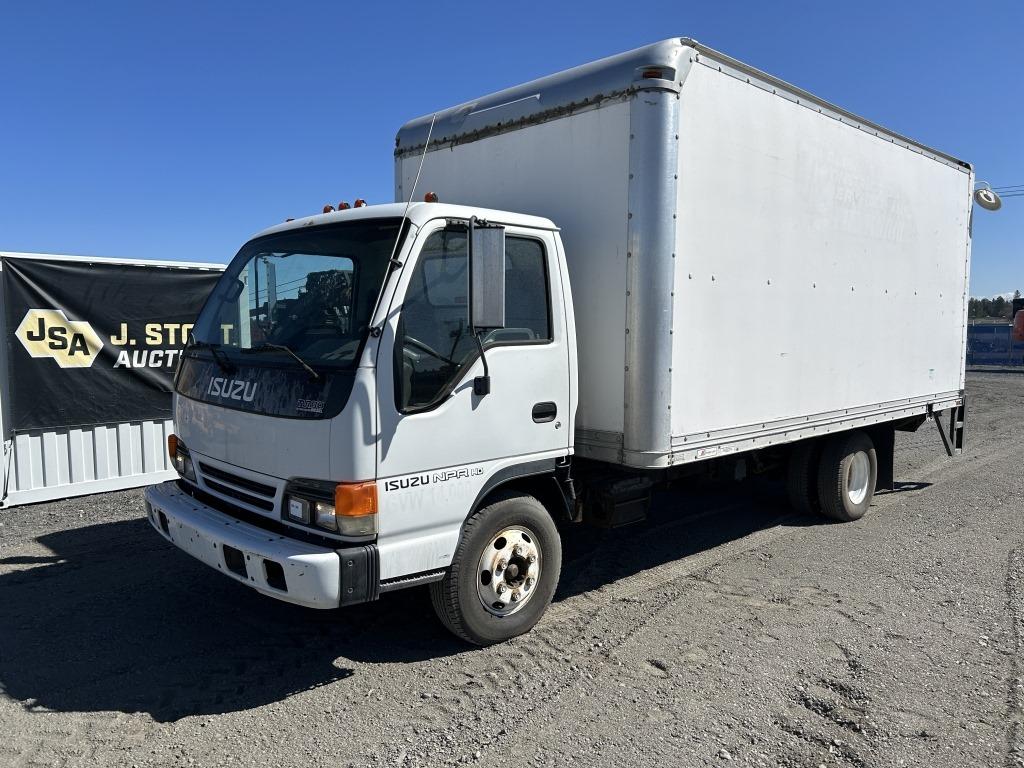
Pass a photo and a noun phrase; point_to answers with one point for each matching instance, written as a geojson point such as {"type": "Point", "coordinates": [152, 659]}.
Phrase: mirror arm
{"type": "Point", "coordinates": [481, 384]}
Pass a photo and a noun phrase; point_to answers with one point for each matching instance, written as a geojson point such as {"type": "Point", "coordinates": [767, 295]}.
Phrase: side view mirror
{"type": "Point", "coordinates": [486, 276]}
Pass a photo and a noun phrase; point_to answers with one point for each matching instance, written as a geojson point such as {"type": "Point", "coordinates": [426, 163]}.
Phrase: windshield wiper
{"type": "Point", "coordinates": [267, 347]}
{"type": "Point", "coordinates": [219, 357]}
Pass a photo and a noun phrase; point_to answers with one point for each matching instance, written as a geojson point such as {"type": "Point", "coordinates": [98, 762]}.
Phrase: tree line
{"type": "Point", "coordinates": [996, 308]}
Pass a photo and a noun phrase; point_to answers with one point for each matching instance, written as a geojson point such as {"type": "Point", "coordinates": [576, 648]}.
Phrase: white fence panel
{"type": "Point", "coordinates": [59, 463]}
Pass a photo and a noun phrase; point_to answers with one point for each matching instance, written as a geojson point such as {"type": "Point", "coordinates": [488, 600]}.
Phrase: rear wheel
{"type": "Point", "coordinates": [847, 475]}
{"type": "Point", "coordinates": [503, 574]}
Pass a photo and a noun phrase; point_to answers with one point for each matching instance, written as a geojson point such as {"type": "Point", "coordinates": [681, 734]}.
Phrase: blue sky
{"type": "Point", "coordinates": [176, 130]}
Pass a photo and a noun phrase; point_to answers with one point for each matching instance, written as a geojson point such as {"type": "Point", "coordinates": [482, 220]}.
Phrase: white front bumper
{"type": "Point", "coordinates": [312, 575]}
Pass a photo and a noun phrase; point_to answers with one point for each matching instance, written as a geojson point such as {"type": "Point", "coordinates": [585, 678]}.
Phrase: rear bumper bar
{"type": "Point", "coordinates": [271, 563]}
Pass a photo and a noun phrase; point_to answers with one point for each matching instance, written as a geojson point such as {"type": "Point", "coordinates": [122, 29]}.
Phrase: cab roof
{"type": "Point", "coordinates": [419, 214]}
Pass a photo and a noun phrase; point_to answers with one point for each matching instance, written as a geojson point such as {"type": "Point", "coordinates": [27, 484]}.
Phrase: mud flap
{"type": "Point", "coordinates": [885, 452]}
{"type": "Point", "coordinates": [360, 574]}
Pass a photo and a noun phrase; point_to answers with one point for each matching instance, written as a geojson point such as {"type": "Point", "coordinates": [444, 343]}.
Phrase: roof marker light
{"type": "Point", "coordinates": [430, 197]}
{"type": "Point", "coordinates": [359, 203]}
{"type": "Point", "coordinates": [343, 206]}
{"type": "Point", "coordinates": [328, 208]}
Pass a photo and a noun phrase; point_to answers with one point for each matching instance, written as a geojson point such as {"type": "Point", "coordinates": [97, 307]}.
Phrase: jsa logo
{"type": "Point", "coordinates": [232, 389]}
{"type": "Point", "coordinates": [49, 333]}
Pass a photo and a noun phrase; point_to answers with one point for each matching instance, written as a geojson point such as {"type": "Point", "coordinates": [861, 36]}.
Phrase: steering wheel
{"type": "Point", "coordinates": [428, 349]}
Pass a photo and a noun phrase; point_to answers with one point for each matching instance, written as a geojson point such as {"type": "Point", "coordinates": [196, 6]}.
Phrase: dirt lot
{"type": "Point", "coordinates": [723, 631]}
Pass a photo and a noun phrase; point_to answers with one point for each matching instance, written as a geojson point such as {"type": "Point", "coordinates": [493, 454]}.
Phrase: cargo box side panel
{"type": "Point", "coordinates": [821, 267]}
{"type": "Point", "coordinates": [573, 170]}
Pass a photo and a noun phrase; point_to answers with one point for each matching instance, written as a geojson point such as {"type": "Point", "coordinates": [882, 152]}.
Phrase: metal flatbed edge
{"type": "Point", "coordinates": [613, 79]}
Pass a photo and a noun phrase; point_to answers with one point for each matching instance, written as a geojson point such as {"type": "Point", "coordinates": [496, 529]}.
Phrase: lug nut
{"type": "Point", "coordinates": [501, 589]}
{"type": "Point", "coordinates": [532, 558]}
{"type": "Point", "coordinates": [502, 564]}
{"type": "Point", "coordinates": [515, 596]}
{"type": "Point", "coordinates": [529, 583]}
{"type": "Point", "coordinates": [517, 550]}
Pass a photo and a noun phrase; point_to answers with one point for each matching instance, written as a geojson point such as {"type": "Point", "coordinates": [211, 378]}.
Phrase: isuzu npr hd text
{"type": "Point", "coordinates": [653, 263]}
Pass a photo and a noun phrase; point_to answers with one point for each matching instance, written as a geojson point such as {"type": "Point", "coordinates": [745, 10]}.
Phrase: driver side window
{"type": "Point", "coordinates": [434, 342]}
{"type": "Point", "coordinates": [433, 331]}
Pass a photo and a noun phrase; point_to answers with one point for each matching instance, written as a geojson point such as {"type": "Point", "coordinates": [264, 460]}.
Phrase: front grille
{"type": "Point", "coordinates": [252, 501]}
{"type": "Point", "coordinates": [239, 482]}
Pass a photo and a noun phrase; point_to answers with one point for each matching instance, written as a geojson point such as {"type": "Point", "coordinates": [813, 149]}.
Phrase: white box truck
{"type": "Point", "coordinates": [651, 265]}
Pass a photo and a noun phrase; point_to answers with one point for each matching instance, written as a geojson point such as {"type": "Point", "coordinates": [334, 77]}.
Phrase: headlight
{"type": "Point", "coordinates": [349, 509]}
{"type": "Point", "coordinates": [180, 458]}
{"type": "Point", "coordinates": [183, 463]}
{"type": "Point", "coordinates": [298, 509]}
{"type": "Point", "coordinates": [325, 515]}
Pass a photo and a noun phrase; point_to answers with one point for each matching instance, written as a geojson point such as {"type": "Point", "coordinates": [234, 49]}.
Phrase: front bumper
{"type": "Point", "coordinates": [269, 562]}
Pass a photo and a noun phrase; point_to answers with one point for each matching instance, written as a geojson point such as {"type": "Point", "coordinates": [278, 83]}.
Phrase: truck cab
{"type": "Point", "coordinates": [340, 412]}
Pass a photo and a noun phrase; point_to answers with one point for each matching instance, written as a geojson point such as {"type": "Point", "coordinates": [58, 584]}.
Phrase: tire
{"type": "Point", "coordinates": [847, 475]}
{"type": "Point", "coordinates": [802, 477]}
{"type": "Point", "coordinates": [476, 573]}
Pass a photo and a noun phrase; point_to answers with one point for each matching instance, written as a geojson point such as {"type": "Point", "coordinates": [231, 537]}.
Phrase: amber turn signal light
{"type": "Point", "coordinates": [355, 499]}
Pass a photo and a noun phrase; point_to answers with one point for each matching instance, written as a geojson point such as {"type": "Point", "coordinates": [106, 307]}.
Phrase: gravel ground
{"type": "Point", "coordinates": [725, 630]}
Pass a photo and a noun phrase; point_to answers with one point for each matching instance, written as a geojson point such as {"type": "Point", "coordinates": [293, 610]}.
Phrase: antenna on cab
{"type": "Point", "coordinates": [412, 192]}
{"type": "Point", "coordinates": [376, 331]}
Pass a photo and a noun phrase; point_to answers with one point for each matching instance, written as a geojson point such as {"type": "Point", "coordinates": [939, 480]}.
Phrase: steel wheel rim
{"type": "Point", "coordinates": [508, 572]}
{"type": "Point", "coordinates": [858, 476]}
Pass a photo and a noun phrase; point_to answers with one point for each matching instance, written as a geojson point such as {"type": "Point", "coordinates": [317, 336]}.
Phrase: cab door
{"type": "Point", "coordinates": [440, 444]}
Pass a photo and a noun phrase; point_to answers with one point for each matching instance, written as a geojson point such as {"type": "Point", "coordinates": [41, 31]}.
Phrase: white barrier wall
{"type": "Point", "coordinates": [40, 466]}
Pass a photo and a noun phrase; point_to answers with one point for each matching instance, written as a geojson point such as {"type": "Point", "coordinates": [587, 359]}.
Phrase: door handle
{"type": "Point", "coordinates": [544, 412]}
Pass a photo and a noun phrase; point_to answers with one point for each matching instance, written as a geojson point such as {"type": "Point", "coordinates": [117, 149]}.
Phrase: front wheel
{"type": "Point", "coordinates": [503, 574]}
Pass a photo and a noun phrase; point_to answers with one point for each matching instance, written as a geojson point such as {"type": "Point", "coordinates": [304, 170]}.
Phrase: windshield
{"type": "Point", "coordinates": [310, 290]}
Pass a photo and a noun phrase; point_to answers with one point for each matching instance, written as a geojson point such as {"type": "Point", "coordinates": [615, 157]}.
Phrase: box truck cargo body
{"type": "Point", "coordinates": [656, 265]}
{"type": "Point", "coordinates": [749, 264]}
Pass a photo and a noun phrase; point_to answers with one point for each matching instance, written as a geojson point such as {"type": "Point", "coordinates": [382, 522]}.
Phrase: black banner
{"type": "Point", "coordinates": [95, 342]}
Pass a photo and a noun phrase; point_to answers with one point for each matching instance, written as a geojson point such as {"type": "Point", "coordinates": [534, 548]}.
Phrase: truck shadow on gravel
{"type": "Point", "coordinates": [118, 620]}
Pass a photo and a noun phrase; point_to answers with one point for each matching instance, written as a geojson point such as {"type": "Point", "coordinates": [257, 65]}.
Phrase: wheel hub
{"type": "Point", "coordinates": [858, 477]}
{"type": "Point", "coordinates": [508, 571]}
